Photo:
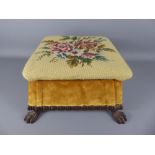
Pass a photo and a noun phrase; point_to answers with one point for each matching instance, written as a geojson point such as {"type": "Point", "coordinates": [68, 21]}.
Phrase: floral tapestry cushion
{"type": "Point", "coordinates": [76, 57]}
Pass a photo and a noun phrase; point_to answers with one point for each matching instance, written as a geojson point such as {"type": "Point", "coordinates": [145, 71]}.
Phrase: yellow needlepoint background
{"type": "Point", "coordinates": [76, 57]}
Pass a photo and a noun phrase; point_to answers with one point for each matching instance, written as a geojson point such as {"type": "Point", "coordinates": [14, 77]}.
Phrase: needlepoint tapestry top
{"type": "Point", "coordinates": [75, 50]}
{"type": "Point", "coordinates": [76, 57]}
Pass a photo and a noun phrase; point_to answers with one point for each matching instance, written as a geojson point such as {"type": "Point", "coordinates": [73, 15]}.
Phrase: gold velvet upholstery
{"type": "Point", "coordinates": [47, 93]}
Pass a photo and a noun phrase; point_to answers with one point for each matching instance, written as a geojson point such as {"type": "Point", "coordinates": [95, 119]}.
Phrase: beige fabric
{"type": "Point", "coordinates": [76, 57]}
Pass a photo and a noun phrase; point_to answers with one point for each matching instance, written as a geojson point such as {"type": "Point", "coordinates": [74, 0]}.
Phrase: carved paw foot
{"type": "Point", "coordinates": [119, 117]}
{"type": "Point", "coordinates": [31, 116]}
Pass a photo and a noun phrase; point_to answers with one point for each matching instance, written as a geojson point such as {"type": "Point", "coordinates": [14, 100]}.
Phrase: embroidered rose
{"type": "Point", "coordinates": [61, 47]}
{"type": "Point", "coordinates": [88, 55]}
{"type": "Point", "coordinates": [75, 50]}
{"type": "Point", "coordinates": [85, 44]}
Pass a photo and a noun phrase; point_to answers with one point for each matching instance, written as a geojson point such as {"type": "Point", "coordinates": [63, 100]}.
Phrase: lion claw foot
{"type": "Point", "coordinates": [31, 116]}
{"type": "Point", "coordinates": [119, 117]}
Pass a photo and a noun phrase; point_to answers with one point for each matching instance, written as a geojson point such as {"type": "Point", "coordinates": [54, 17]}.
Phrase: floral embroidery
{"type": "Point", "coordinates": [76, 50]}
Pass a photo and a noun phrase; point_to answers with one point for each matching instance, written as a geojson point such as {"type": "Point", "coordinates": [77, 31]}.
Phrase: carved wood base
{"type": "Point", "coordinates": [117, 115]}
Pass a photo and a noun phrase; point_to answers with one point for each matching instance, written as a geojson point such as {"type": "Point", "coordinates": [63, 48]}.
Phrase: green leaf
{"type": "Point", "coordinates": [65, 38]}
{"type": "Point", "coordinates": [108, 49]}
{"type": "Point", "coordinates": [74, 37]}
{"type": "Point", "coordinates": [99, 50]}
{"type": "Point", "coordinates": [86, 60]}
{"type": "Point", "coordinates": [101, 46]}
{"type": "Point", "coordinates": [102, 58]}
{"type": "Point", "coordinates": [101, 39]}
{"type": "Point", "coordinates": [44, 47]}
{"type": "Point", "coordinates": [48, 41]}
{"type": "Point", "coordinates": [46, 52]}
{"type": "Point", "coordinates": [86, 50]}
{"type": "Point", "coordinates": [72, 62]}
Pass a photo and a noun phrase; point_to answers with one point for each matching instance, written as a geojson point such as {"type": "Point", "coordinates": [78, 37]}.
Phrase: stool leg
{"type": "Point", "coordinates": [119, 116]}
{"type": "Point", "coordinates": [32, 116]}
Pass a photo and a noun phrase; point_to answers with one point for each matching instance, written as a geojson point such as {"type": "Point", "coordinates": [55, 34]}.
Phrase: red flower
{"type": "Point", "coordinates": [85, 44]}
{"type": "Point", "coordinates": [61, 47]}
{"type": "Point", "coordinates": [88, 55]}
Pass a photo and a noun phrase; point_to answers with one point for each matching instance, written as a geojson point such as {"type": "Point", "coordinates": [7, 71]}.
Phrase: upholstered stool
{"type": "Point", "coordinates": [75, 73]}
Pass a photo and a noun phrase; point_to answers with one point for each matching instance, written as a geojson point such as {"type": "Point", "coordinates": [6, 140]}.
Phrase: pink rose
{"type": "Point", "coordinates": [61, 47]}
{"type": "Point", "coordinates": [85, 44]}
{"type": "Point", "coordinates": [88, 55]}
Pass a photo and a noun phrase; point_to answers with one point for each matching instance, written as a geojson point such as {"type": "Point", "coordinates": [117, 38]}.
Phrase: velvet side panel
{"type": "Point", "coordinates": [74, 93]}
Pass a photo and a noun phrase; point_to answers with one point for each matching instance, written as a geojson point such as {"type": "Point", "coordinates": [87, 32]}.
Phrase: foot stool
{"type": "Point", "coordinates": [75, 73]}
